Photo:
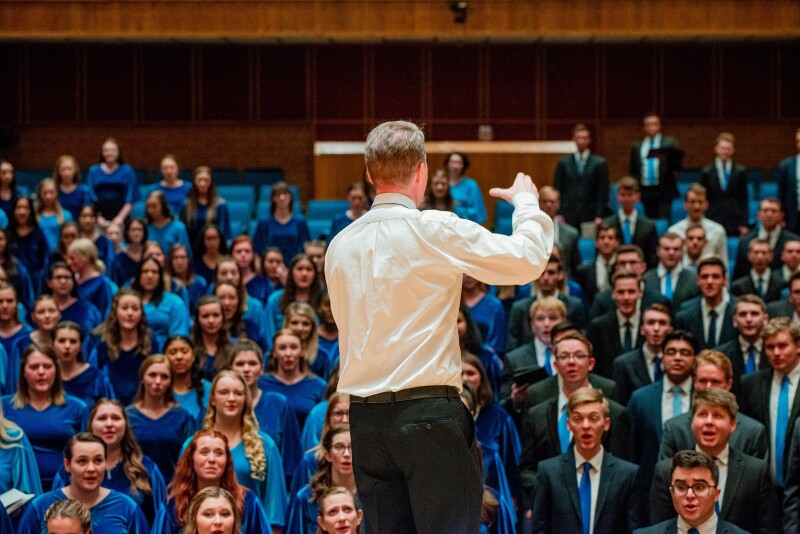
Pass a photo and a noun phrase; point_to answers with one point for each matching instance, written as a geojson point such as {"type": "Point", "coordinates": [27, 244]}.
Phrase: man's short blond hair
{"type": "Point", "coordinates": [392, 152]}
{"type": "Point", "coordinates": [551, 304]}
{"type": "Point", "coordinates": [588, 395]}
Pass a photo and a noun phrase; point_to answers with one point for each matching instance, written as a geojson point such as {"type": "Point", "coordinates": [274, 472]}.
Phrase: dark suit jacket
{"type": "Point", "coordinates": [604, 335]}
{"type": "Point", "coordinates": [630, 373]}
{"type": "Point", "coordinates": [519, 358]}
{"type": "Point", "coordinates": [540, 440]}
{"type": "Point", "coordinates": [750, 437]}
{"type": "Point", "coordinates": [728, 207]}
{"type": "Point", "coordinates": [670, 526]}
{"type": "Point", "coordinates": [603, 303]}
{"type": "Point", "coordinates": [586, 276]}
{"type": "Point", "coordinates": [791, 490]}
{"type": "Point", "coordinates": [780, 308]}
{"type": "Point", "coordinates": [547, 389]}
{"type": "Point", "coordinates": [787, 190]}
{"type": "Point", "coordinates": [754, 401]}
{"type": "Point", "coordinates": [734, 352]}
{"type": "Point", "coordinates": [519, 322]}
{"type": "Point", "coordinates": [644, 235]}
{"type": "Point", "coordinates": [584, 196]}
{"type": "Point", "coordinates": [742, 266]}
{"type": "Point", "coordinates": [568, 242]}
{"type": "Point", "coordinates": [690, 317]}
{"type": "Point", "coordinates": [685, 287]}
{"type": "Point", "coordinates": [749, 501]}
{"type": "Point", "coordinates": [666, 178]}
{"type": "Point", "coordinates": [742, 286]}
{"type": "Point", "coordinates": [557, 505]}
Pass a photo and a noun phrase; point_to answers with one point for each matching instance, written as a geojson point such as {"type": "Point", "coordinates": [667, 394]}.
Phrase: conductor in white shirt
{"type": "Point", "coordinates": [394, 278]}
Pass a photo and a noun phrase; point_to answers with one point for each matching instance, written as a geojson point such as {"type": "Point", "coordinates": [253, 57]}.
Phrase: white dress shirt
{"type": "Point", "coordinates": [715, 235]}
{"type": "Point", "coordinates": [758, 345]}
{"type": "Point", "coordinates": [661, 271]}
{"type": "Point", "coordinates": [722, 167]}
{"type": "Point", "coordinates": [601, 274]}
{"type": "Point", "coordinates": [774, 393]}
{"type": "Point", "coordinates": [772, 236]}
{"type": "Point", "coordinates": [754, 276]}
{"type": "Point", "coordinates": [722, 461]}
{"type": "Point", "coordinates": [709, 527]}
{"type": "Point", "coordinates": [649, 356]}
{"type": "Point", "coordinates": [594, 479]}
{"type": "Point", "coordinates": [705, 310]}
{"type": "Point", "coordinates": [634, 320]}
{"type": "Point", "coordinates": [666, 398]}
{"type": "Point", "coordinates": [541, 352]}
{"type": "Point", "coordinates": [644, 151]}
{"type": "Point", "coordinates": [633, 217]}
{"type": "Point", "coordinates": [581, 157]}
{"type": "Point", "coordinates": [394, 279]}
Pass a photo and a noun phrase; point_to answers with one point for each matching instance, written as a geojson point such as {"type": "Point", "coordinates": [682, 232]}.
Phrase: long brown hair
{"type": "Point", "coordinates": [109, 329]}
{"type": "Point", "coordinates": [23, 396]}
{"type": "Point", "coordinates": [192, 197]}
{"type": "Point", "coordinates": [222, 356]}
{"type": "Point", "coordinates": [323, 478]}
{"type": "Point", "coordinates": [212, 493]}
{"type": "Point", "coordinates": [169, 396]}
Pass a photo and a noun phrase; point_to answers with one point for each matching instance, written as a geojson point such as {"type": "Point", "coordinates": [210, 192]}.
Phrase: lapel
{"type": "Point", "coordinates": [552, 425]}
{"type": "Point", "coordinates": [640, 368]}
{"type": "Point", "coordinates": [606, 480]}
{"type": "Point", "coordinates": [727, 323]}
{"type": "Point", "coordinates": [764, 384]}
{"type": "Point", "coordinates": [735, 473]}
{"type": "Point", "coordinates": [570, 481]}
{"type": "Point", "coordinates": [656, 394]}
{"type": "Point", "coordinates": [614, 333]}
{"type": "Point", "coordinates": [793, 415]}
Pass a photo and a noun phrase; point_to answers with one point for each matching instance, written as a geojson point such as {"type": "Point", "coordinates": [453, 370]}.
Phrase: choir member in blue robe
{"type": "Point", "coordinates": [487, 311]}
{"type": "Point", "coordinates": [179, 267]}
{"type": "Point", "coordinates": [45, 316]}
{"type": "Point", "coordinates": [204, 207]}
{"type": "Point", "coordinates": [166, 313]}
{"type": "Point", "coordinates": [302, 319]}
{"type": "Point", "coordinates": [327, 341]}
{"type": "Point", "coordinates": [274, 268]}
{"type": "Point", "coordinates": [90, 229]}
{"type": "Point", "coordinates": [211, 248]}
{"type": "Point", "coordinates": [16, 273]}
{"type": "Point", "coordinates": [161, 227]}
{"type": "Point", "coordinates": [272, 410]}
{"type": "Point", "coordinates": [171, 186]}
{"type": "Point", "coordinates": [207, 462]}
{"type": "Point", "coordinates": [334, 469]}
{"type": "Point", "coordinates": [72, 195]}
{"type": "Point", "coordinates": [339, 509]}
{"type": "Point", "coordinates": [159, 422]}
{"type": "Point", "coordinates": [111, 511]}
{"type": "Point", "coordinates": [8, 188]}
{"type": "Point", "coordinates": [11, 330]}
{"type": "Point", "coordinates": [357, 198]}
{"type": "Point", "coordinates": [230, 411]}
{"type": "Point", "coordinates": [327, 414]}
{"type": "Point", "coordinates": [123, 344]}
{"type": "Point", "coordinates": [242, 251]}
{"type": "Point", "coordinates": [282, 228]}
{"type": "Point", "coordinates": [93, 285]}
{"type": "Point", "coordinates": [113, 185]}
{"type": "Point", "coordinates": [243, 317]}
{"type": "Point", "coordinates": [27, 241]}
{"type": "Point", "coordinates": [290, 376]}
{"type": "Point", "coordinates": [210, 337]}
{"type": "Point", "coordinates": [465, 191]}
{"type": "Point", "coordinates": [252, 310]}
{"type": "Point", "coordinates": [132, 474]}
{"type": "Point", "coordinates": [80, 379]}
{"type": "Point", "coordinates": [126, 263]}
{"type": "Point", "coordinates": [47, 415]}
{"type": "Point", "coordinates": [49, 213]}
{"type": "Point", "coordinates": [303, 284]}
{"type": "Point", "coordinates": [189, 387]}
{"type": "Point", "coordinates": [470, 340]}
{"type": "Point", "coordinates": [60, 284]}
{"type": "Point", "coordinates": [18, 467]}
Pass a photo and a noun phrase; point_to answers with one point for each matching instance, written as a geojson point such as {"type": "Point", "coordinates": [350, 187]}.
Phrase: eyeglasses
{"type": "Point", "coordinates": [338, 415]}
{"type": "Point", "coordinates": [700, 489]}
{"type": "Point", "coordinates": [339, 449]}
{"type": "Point", "coordinates": [686, 353]}
{"type": "Point", "coordinates": [576, 357]}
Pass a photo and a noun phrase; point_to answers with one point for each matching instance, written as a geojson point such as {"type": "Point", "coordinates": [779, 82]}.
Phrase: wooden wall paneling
{"type": "Point", "coordinates": [166, 83]}
{"type": "Point", "coordinates": [630, 81]}
{"type": "Point", "coordinates": [571, 82]}
{"type": "Point", "coordinates": [512, 82]}
{"type": "Point", "coordinates": [110, 80]}
{"type": "Point", "coordinates": [340, 82]}
{"type": "Point", "coordinates": [52, 83]}
{"type": "Point", "coordinates": [687, 83]}
{"type": "Point", "coordinates": [11, 77]}
{"type": "Point", "coordinates": [789, 107]}
{"type": "Point", "coordinates": [398, 81]}
{"type": "Point", "coordinates": [283, 83]}
{"type": "Point", "coordinates": [747, 71]}
{"type": "Point", "coordinates": [225, 83]}
{"type": "Point", "coordinates": [455, 82]}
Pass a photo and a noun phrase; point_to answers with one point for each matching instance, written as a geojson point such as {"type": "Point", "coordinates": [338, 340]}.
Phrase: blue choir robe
{"type": "Point", "coordinates": [32, 251]}
{"type": "Point", "coordinates": [175, 195]}
{"type": "Point", "coordinates": [5, 364]}
{"type": "Point", "coordinates": [90, 386]}
{"type": "Point", "coordinates": [8, 205]}
{"type": "Point", "coordinates": [506, 517]}
{"type": "Point", "coordinates": [84, 313]}
{"type": "Point", "coordinates": [167, 318]}
{"type": "Point", "coordinates": [115, 479]}
{"type": "Point", "coordinates": [289, 237]}
{"type": "Point", "coordinates": [12, 371]}
{"type": "Point", "coordinates": [51, 228]}
{"type": "Point", "coordinates": [5, 521]}
{"type": "Point", "coordinates": [339, 223]}
{"type": "Point", "coordinates": [254, 520]}
{"type": "Point", "coordinates": [312, 428]}
{"type": "Point", "coordinates": [177, 288]}
{"type": "Point", "coordinates": [23, 284]}
{"type": "Point", "coordinates": [161, 439]}
{"type": "Point", "coordinates": [99, 291]}
{"type": "Point", "coordinates": [124, 269]}
{"type": "Point", "coordinates": [196, 289]}
{"type": "Point", "coordinates": [171, 233]}
{"type": "Point", "coordinates": [276, 418]}
{"type": "Point", "coordinates": [327, 357]}
{"type": "Point", "coordinates": [304, 471]}
{"type": "Point", "coordinates": [271, 492]}
{"type": "Point", "coordinates": [123, 373]}
{"type": "Point", "coordinates": [206, 272]}
{"type": "Point", "coordinates": [301, 518]}
{"type": "Point", "coordinates": [198, 221]}
{"type": "Point", "coordinates": [493, 365]}
{"type": "Point", "coordinates": [467, 194]}
{"type": "Point", "coordinates": [105, 251]}
{"type": "Point", "coordinates": [302, 396]}
{"type": "Point", "coordinates": [189, 402]}
{"type": "Point", "coordinates": [495, 428]}
{"type": "Point", "coordinates": [490, 318]}
{"type": "Point", "coordinates": [18, 468]}
{"type": "Point", "coordinates": [117, 514]}
{"type": "Point", "coordinates": [48, 430]}
{"type": "Point", "coordinates": [272, 311]}
{"type": "Point", "coordinates": [75, 200]}
{"type": "Point", "coordinates": [260, 288]}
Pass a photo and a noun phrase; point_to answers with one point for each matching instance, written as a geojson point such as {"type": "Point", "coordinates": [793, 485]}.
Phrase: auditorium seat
{"type": "Point", "coordinates": [241, 212]}
{"type": "Point", "coordinates": [768, 190]}
{"type": "Point", "coordinates": [30, 178]}
{"type": "Point", "coordinates": [733, 248]}
{"type": "Point", "coordinates": [319, 228]}
{"type": "Point", "coordinates": [661, 226]}
{"type": "Point", "coordinates": [677, 211]}
{"type": "Point", "coordinates": [256, 177]}
{"type": "Point", "coordinates": [587, 249]}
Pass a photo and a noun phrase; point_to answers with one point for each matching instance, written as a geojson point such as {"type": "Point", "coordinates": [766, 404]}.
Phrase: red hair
{"type": "Point", "coordinates": [184, 483]}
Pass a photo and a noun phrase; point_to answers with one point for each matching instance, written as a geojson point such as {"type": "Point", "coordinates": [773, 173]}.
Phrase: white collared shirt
{"type": "Point", "coordinates": [720, 309]}
{"type": "Point", "coordinates": [795, 318]}
{"type": "Point", "coordinates": [582, 157]}
{"type": "Point", "coordinates": [757, 346]}
{"type": "Point", "coordinates": [649, 356]}
{"type": "Point", "coordinates": [633, 217]}
{"type": "Point", "coordinates": [754, 276]}
{"type": "Point", "coordinates": [722, 461]}
{"type": "Point", "coordinates": [774, 394]}
{"type": "Point", "coordinates": [661, 271]}
{"type": "Point", "coordinates": [601, 272]}
{"type": "Point", "coordinates": [541, 352]}
{"type": "Point", "coordinates": [715, 235]}
{"type": "Point", "coordinates": [786, 273]}
{"type": "Point", "coordinates": [644, 151]}
{"type": "Point", "coordinates": [394, 279]}
{"type": "Point", "coordinates": [772, 236]}
{"type": "Point", "coordinates": [634, 320]}
{"type": "Point", "coordinates": [666, 398]}
{"type": "Point", "coordinates": [709, 527]}
{"type": "Point", "coordinates": [594, 479]}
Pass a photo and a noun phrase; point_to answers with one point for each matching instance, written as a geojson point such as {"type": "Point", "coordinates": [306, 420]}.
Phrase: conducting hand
{"type": "Point", "coordinates": [522, 184]}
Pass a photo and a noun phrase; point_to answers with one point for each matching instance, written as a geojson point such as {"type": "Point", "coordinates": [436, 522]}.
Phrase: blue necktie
{"type": "Point", "coordinates": [677, 409]}
{"type": "Point", "coordinates": [668, 285]}
{"type": "Point", "coordinates": [693, 531]}
{"type": "Point", "coordinates": [651, 167]}
{"type": "Point", "coordinates": [581, 164]}
{"type": "Point", "coordinates": [711, 340]}
{"type": "Point", "coordinates": [627, 341]}
{"type": "Point", "coordinates": [781, 424]}
{"type": "Point", "coordinates": [585, 492]}
{"type": "Point", "coordinates": [725, 177]}
{"type": "Point", "coordinates": [626, 232]}
{"type": "Point", "coordinates": [548, 352]}
{"type": "Point", "coordinates": [563, 431]}
{"type": "Point", "coordinates": [760, 288]}
{"type": "Point", "coordinates": [750, 364]}
{"type": "Point", "coordinates": [658, 374]}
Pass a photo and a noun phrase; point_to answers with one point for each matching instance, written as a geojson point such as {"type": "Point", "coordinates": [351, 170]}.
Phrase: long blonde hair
{"type": "Point", "coordinates": [304, 309]}
{"type": "Point", "coordinates": [7, 441]}
{"type": "Point", "coordinates": [253, 444]}
{"type": "Point", "coordinates": [86, 248]}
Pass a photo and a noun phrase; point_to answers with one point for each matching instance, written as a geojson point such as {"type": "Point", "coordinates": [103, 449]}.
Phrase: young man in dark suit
{"type": "Point", "coordinates": [770, 395]}
{"type": "Point", "coordinates": [587, 489]}
{"type": "Point", "coordinates": [594, 277]}
{"type": "Point", "coordinates": [787, 187]}
{"type": "Point", "coordinates": [669, 277]}
{"type": "Point", "coordinates": [712, 369]}
{"type": "Point", "coordinates": [760, 280]}
{"type": "Point", "coordinates": [582, 180]}
{"type": "Point", "coordinates": [789, 308]}
{"type": "Point", "coordinates": [564, 234]}
{"type": "Point", "coordinates": [726, 187]}
{"type": "Point", "coordinates": [747, 495]}
{"type": "Point", "coordinates": [770, 215]}
{"type": "Point", "coordinates": [655, 172]}
{"type": "Point", "coordinates": [635, 229]}
{"type": "Point", "coordinates": [642, 366]}
{"type": "Point", "coordinates": [746, 350]}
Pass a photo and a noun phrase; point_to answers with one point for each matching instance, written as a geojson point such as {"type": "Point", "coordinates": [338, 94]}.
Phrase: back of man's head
{"type": "Point", "coordinates": [392, 152]}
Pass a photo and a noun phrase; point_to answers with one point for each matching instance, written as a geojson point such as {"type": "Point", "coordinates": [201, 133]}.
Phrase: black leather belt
{"type": "Point", "coordinates": [423, 392]}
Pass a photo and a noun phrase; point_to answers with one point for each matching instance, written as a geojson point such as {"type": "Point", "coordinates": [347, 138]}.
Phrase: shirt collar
{"type": "Point", "coordinates": [596, 460]}
{"type": "Point", "coordinates": [768, 236]}
{"type": "Point", "coordinates": [706, 528]}
{"type": "Point", "coordinates": [719, 308]}
{"type": "Point", "coordinates": [754, 276]}
{"type": "Point", "coordinates": [656, 139]}
{"type": "Point", "coordinates": [649, 355]}
{"type": "Point", "coordinates": [686, 385]}
{"type": "Point", "coordinates": [793, 375]}
{"type": "Point", "coordinates": [745, 346]}
{"type": "Point", "coordinates": [633, 319]}
{"type": "Point", "coordinates": [632, 217]}
{"type": "Point", "coordinates": [393, 199]}
{"type": "Point", "coordinates": [662, 271]}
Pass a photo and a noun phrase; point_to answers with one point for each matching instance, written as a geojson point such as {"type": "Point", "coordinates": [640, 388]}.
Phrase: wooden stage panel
{"type": "Point", "coordinates": [492, 163]}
